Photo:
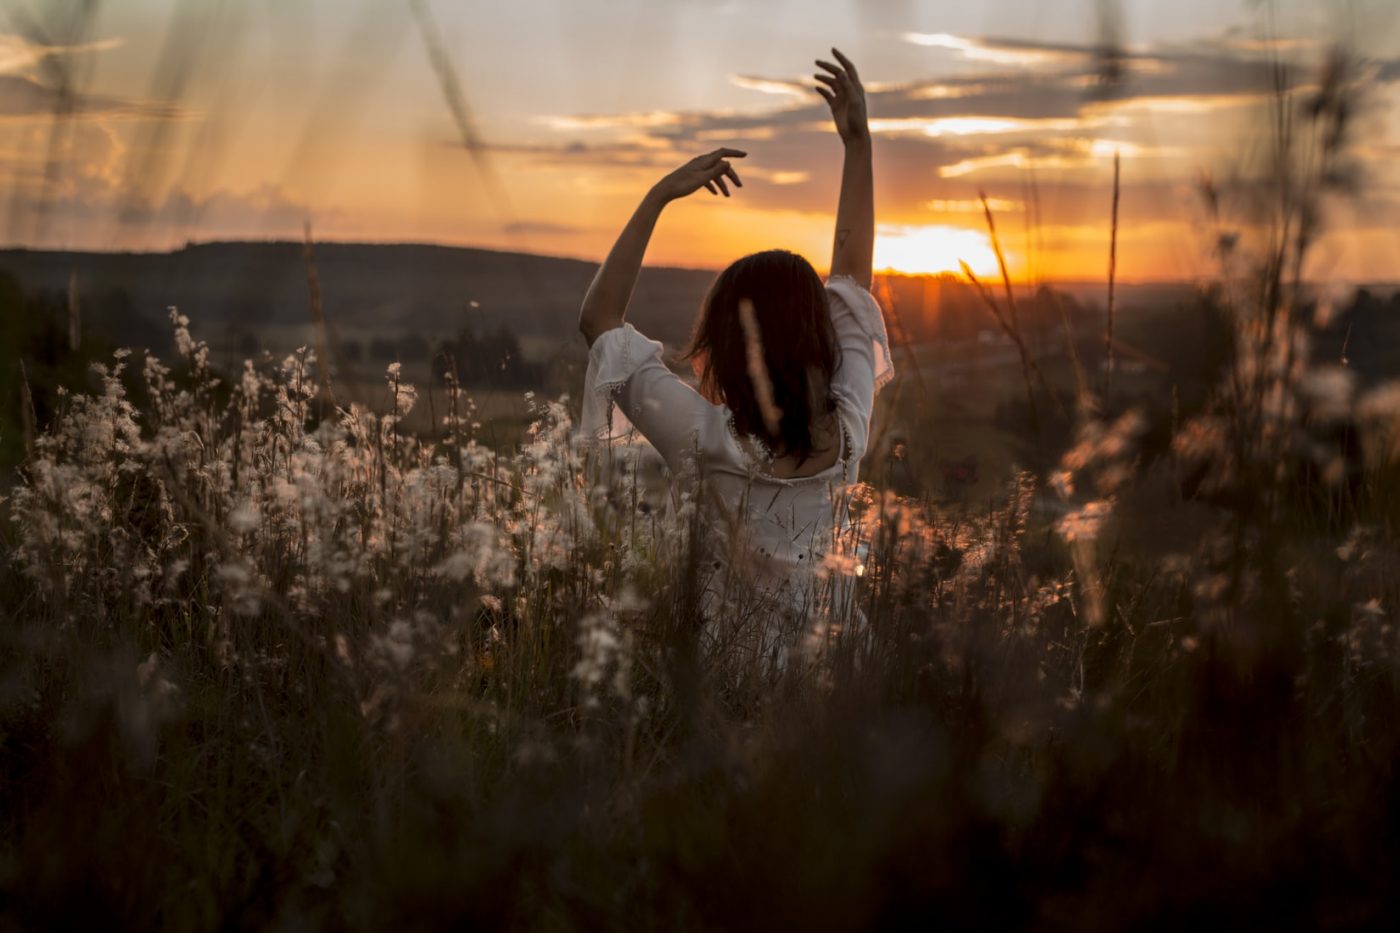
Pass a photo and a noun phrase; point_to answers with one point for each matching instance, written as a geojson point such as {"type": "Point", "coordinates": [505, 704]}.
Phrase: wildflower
{"type": "Point", "coordinates": [1329, 391]}
{"type": "Point", "coordinates": [1085, 523]}
{"type": "Point", "coordinates": [395, 647]}
{"type": "Point", "coordinates": [600, 643]}
{"type": "Point", "coordinates": [1381, 403]}
{"type": "Point", "coordinates": [244, 518]}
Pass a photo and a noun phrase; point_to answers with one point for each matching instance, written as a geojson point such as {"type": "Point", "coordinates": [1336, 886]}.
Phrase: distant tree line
{"type": "Point", "coordinates": [409, 348]}
{"type": "Point", "coordinates": [939, 308]}
{"type": "Point", "coordinates": [491, 359]}
{"type": "Point", "coordinates": [49, 341]}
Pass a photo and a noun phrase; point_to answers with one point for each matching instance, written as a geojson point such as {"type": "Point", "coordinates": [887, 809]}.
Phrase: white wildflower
{"type": "Point", "coordinates": [1381, 403]}
{"type": "Point", "coordinates": [244, 518]}
{"type": "Point", "coordinates": [1085, 523]}
{"type": "Point", "coordinates": [1329, 391]}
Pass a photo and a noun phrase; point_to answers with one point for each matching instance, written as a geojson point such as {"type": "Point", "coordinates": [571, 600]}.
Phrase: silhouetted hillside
{"type": "Point", "coordinates": [365, 287]}
{"type": "Point", "coordinates": [436, 291]}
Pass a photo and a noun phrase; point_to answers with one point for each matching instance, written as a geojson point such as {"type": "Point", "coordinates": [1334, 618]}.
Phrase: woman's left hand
{"type": "Point", "coordinates": [845, 95]}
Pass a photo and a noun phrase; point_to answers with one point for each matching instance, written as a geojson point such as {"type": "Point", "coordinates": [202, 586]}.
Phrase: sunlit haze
{"type": "Point", "coordinates": [536, 125]}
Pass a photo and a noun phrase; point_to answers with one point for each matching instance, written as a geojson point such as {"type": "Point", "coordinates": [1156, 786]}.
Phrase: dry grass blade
{"type": "Point", "coordinates": [318, 318]}
{"type": "Point", "coordinates": [901, 337]}
{"type": "Point", "coordinates": [1001, 260]}
{"type": "Point", "coordinates": [26, 410]}
{"type": "Point", "coordinates": [1011, 324]}
{"type": "Point", "coordinates": [1112, 282]}
{"type": "Point", "coordinates": [1081, 381]}
{"type": "Point", "coordinates": [195, 46]}
{"type": "Point", "coordinates": [63, 25]}
{"type": "Point", "coordinates": [75, 317]}
{"type": "Point", "coordinates": [451, 85]}
{"type": "Point", "coordinates": [455, 97]}
{"type": "Point", "coordinates": [1010, 332]}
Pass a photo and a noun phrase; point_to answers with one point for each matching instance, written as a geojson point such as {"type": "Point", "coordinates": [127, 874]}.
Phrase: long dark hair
{"type": "Point", "coordinates": [776, 299]}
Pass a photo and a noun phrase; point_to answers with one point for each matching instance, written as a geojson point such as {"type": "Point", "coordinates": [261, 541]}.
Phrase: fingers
{"type": "Point", "coordinates": [709, 159]}
{"type": "Point", "coordinates": [836, 70]}
{"type": "Point", "coordinates": [713, 168]}
{"type": "Point", "coordinates": [846, 63]}
{"type": "Point", "coordinates": [721, 171]}
{"type": "Point", "coordinates": [838, 85]}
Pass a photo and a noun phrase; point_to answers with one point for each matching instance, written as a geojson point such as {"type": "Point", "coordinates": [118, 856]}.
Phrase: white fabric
{"type": "Point", "coordinates": [781, 528]}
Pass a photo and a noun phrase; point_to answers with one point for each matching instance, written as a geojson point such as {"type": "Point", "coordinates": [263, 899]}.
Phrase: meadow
{"type": "Point", "coordinates": [267, 661]}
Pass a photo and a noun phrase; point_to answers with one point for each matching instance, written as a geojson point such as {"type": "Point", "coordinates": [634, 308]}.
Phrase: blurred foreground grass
{"type": "Point", "coordinates": [265, 662]}
{"type": "Point", "coordinates": [263, 670]}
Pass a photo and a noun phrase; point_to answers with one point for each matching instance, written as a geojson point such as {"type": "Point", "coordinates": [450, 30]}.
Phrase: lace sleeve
{"type": "Point", "coordinates": [627, 385]}
{"type": "Point", "coordinates": [865, 365]}
{"type": "Point", "coordinates": [612, 360]}
{"type": "Point", "coordinates": [850, 300]}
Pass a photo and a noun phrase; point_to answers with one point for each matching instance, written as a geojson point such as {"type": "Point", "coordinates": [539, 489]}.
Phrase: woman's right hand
{"type": "Point", "coordinates": [845, 95]}
{"type": "Point", "coordinates": [707, 171]}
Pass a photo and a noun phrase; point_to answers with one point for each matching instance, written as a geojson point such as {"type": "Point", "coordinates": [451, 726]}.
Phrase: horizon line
{"type": "Point", "coordinates": [428, 244]}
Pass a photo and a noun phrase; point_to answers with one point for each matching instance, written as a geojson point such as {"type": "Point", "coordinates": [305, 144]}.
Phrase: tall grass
{"type": "Point", "coordinates": [261, 668]}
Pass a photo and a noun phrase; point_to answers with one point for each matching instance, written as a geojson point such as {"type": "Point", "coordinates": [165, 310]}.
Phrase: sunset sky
{"type": "Point", "coordinates": [215, 119]}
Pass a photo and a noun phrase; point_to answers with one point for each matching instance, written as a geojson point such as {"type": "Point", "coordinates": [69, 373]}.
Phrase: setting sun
{"type": "Point", "coordinates": [931, 250]}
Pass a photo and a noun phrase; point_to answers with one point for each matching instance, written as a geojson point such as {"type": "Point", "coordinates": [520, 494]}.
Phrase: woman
{"type": "Point", "coordinates": [788, 371]}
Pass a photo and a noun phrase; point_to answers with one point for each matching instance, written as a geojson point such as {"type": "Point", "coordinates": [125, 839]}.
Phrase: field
{"type": "Point", "coordinates": [263, 669]}
{"type": "Point", "coordinates": [1110, 642]}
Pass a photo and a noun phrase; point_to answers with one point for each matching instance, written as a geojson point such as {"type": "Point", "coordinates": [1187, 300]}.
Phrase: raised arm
{"type": "Point", "coordinates": [853, 249]}
{"type": "Point", "coordinates": [605, 305]}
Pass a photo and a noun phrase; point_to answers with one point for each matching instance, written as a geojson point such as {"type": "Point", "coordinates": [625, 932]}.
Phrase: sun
{"type": "Point", "coordinates": [915, 250]}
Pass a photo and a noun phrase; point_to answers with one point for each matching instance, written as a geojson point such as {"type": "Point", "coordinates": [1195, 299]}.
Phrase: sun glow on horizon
{"type": "Point", "coordinates": [930, 250]}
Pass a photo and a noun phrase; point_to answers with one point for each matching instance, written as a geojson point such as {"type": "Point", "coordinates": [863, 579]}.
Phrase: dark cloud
{"type": "Point", "coordinates": [1070, 89]}
{"type": "Point", "coordinates": [1045, 104]}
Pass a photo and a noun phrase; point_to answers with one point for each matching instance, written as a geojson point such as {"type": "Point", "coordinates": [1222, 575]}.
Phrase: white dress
{"type": "Point", "coordinates": [773, 533]}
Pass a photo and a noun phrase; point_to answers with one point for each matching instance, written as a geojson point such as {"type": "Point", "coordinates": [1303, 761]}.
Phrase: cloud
{"type": "Point", "coordinates": [773, 177]}
{"type": "Point", "coordinates": [970, 205]}
{"type": "Point", "coordinates": [636, 121]}
{"type": "Point", "coordinates": [23, 98]}
{"type": "Point", "coordinates": [1000, 51]}
{"type": "Point", "coordinates": [90, 212]}
{"type": "Point", "coordinates": [18, 54]}
{"type": "Point", "coordinates": [267, 207]}
{"type": "Point", "coordinates": [1024, 109]}
{"type": "Point", "coordinates": [543, 228]}
{"type": "Point", "coordinates": [975, 126]}
{"type": "Point", "coordinates": [618, 154]}
{"type": "Point", "coordinates": [797, 89]}
{"type": "Point", "coordinates": [31, 76]}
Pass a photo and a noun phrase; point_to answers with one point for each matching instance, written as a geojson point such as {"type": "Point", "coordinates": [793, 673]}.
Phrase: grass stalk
{"type": "Point", "coordinates": [1112, 283]}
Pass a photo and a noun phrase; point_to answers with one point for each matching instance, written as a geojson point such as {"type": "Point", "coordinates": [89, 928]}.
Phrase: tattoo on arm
{"type": "Point", "coordinates": [842, 236]}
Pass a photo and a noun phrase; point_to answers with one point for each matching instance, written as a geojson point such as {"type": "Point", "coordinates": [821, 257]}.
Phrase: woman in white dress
{"type": "Point", "coordinates": [787, 371]}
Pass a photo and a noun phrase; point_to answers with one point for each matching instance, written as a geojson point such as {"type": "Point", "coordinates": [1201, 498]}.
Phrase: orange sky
{"type": "Point", "coordinates": [207, 121]}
